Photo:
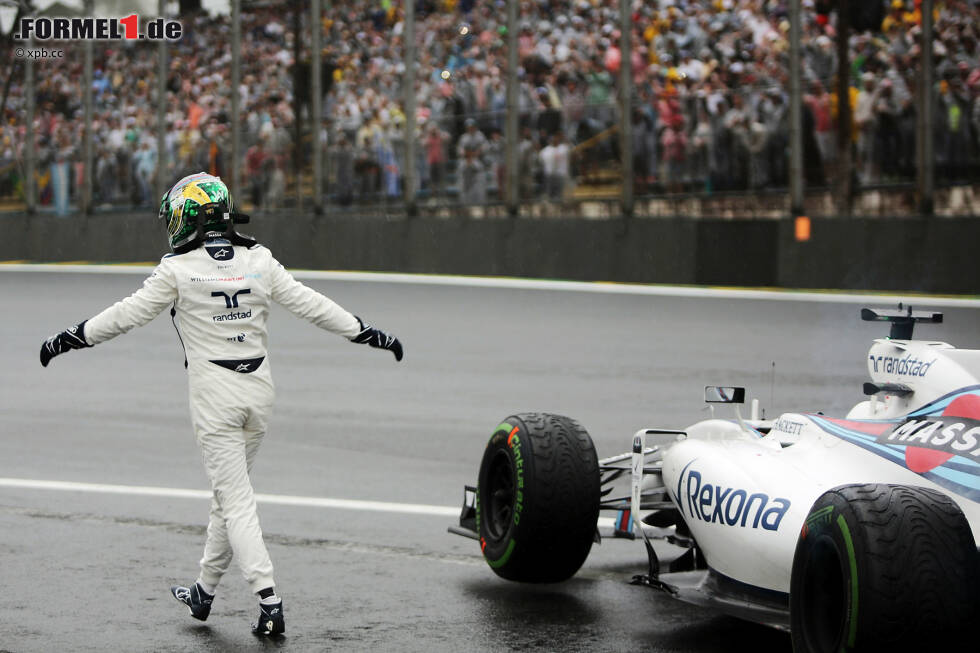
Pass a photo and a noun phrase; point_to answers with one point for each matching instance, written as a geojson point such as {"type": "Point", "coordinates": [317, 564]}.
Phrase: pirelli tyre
{"type": "Point", "coordinates": [538, 498]}
{"type": "Point", "coordinates": [884, 568]}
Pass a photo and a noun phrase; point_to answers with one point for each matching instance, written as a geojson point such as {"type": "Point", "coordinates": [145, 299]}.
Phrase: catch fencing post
{"type": "Point", "coordinates": [87, 155]}
{"type": "Point", "coordinates": [236, 81]}
{"type": "Point", "coordinates": [160, 181]}
{"type": "Point", "coordinates": [796, 201]}
{"type": "Point", "coordinates": [30, 146]}
{"type": "Point", "coordinates": [925, 177]}
{"type": "Point", "coordinates": [511, 126]}
{"type": "Point", "coordinates": [316, 104]}
{"type": "Point", "coordinates": [409, 179]}
{"type": "Point", "coordinates": [626, 106]}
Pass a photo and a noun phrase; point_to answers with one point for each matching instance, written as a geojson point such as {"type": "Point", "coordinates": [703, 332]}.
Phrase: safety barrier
{"type": "Point", "coordinates": [937, 255]}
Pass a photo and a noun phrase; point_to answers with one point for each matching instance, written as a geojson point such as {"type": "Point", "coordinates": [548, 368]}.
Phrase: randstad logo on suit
{"type": "Point", "coordinates": [234, 315]}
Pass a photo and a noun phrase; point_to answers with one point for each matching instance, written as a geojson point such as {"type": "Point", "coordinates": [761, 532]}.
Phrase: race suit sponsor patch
{"type": "Point", "coordinates": [242, 366]}
{"type": "Point", "coordinates": [220, 252]}
{"type": "Point", "coordinates": [237, 277]}
{"type": "Point", "coordinates": [234, 315]}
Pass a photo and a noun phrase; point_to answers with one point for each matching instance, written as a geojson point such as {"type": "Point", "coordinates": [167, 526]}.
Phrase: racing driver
{"type": "Point", "coordinates": [220, 284]}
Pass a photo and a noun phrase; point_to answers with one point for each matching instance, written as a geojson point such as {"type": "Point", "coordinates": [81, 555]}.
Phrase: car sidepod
{"type": "Point", "coordinates": [742, 505]}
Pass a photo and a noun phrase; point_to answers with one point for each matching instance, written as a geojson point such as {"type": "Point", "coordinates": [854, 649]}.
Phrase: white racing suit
{"type": "Point", "coordinates": [221, 294]}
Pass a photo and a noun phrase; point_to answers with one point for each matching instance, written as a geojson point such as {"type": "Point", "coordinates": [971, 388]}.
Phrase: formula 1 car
{"type": "Point", "coordinates": [854, 534]}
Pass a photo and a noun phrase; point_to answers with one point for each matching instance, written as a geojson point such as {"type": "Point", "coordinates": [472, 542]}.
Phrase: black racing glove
{"type": "Point", "coordinates": [378, 339]}
{"type": "Point", "coordinates": [70, 338]}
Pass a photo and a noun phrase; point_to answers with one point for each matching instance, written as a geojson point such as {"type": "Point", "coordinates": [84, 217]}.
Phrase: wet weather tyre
{"type": "Point", "coordinates": [538, 498]}
{"type": "Point", "coordinates": [884, 568]}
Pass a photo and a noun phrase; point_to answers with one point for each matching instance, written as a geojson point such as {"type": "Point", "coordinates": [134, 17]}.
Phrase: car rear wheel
{"type": "Point", "coordinates": [884, 568]}
{"type": "Point", "coordinates": [538, 498]}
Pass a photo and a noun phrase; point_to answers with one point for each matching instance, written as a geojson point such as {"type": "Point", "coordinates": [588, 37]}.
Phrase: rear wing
{"type": "Point", "coordinates": [902, 320]}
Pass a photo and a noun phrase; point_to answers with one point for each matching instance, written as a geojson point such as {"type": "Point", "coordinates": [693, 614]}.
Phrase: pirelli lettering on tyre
{"type": "Point", "coordinates": [959, 436]}
{"type": "Point", "coordinates": [728, 506]}
{"type": "Point", "coordinates": [514, 441]}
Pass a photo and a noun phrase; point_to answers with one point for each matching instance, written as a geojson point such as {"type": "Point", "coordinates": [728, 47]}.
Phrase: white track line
{"type": "Point", "coordinates": [544, 284]}
{"type": "Point", "coordinates": [275, 499]}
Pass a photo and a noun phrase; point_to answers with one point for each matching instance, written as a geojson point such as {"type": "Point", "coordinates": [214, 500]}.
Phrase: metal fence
{"type": "Point", "coordinates": [492, 118]}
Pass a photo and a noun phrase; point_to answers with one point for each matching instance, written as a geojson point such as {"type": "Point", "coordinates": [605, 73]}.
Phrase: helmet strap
{"type": "Point", "coordinates": [215, 221]}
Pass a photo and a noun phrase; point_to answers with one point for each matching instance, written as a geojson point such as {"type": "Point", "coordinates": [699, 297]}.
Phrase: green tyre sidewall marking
{"type": "Point", "coordinates": [502, 560]}
{"type": "Point", "coordinates": [505, 428]}
{"type": "Point", "coordinates": [860, 572]}
{"type": "Point", "coordinates": [827, 524]}
{"type": "Point", "coordinates": [543, 467]}
{"type": "Point", "coordinates": [498, 552]}
{"type": "Point", "coordinates": [852, 561]}
{"type": "Point", "coordinates": [502, 427]}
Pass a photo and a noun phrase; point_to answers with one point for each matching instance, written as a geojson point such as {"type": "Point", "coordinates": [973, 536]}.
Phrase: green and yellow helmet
{"type": "Point", "coordinates": [196, 208]}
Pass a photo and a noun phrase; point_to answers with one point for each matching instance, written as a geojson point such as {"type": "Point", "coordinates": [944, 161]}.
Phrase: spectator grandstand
{"type": "Point", "coordinates": [710, 83]}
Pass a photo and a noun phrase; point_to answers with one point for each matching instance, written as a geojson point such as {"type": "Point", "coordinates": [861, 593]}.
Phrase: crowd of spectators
{"type": "Point", "coordinates": [710, 111]}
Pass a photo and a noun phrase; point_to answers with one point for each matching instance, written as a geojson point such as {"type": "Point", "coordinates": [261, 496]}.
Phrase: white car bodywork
{"type": "Point", "coordinates": [744, 488]}
{"type": "Point", "coordinates": [731, 502]}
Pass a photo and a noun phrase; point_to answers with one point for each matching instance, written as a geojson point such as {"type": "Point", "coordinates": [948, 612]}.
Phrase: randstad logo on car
{"type": "Point", "coordinates": [45, 28]}
{"type": "Point", "coordinates": [717, 504]}
{"type": "Point", "coordinates": [904, 366]}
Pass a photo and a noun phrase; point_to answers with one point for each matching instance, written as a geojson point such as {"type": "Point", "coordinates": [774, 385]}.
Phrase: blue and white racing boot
{"type": "Point", "coordinates": [271, 620]}
{"type": "Point", "coordinates": [198, 601]}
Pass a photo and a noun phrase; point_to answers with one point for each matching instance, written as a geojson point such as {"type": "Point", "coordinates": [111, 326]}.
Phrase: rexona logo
{"type": "Point", "coordinates": [904, 366]}
{"type": "Point", "coordinates": [959, 436]}
{"type": "Point", "coordinates": [717, 504]}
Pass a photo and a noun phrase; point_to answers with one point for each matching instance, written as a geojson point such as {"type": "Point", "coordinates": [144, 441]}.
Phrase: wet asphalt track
{"type": "Point", "coordinates": [89, 571]}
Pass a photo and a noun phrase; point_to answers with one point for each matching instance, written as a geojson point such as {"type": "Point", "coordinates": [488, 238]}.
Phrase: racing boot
{"type": "Point", "coordinates": [271, 620]}
{"type": "Point", "coordinates": [198, 601]}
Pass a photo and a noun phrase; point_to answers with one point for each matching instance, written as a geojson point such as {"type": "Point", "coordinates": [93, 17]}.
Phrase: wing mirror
{"type": "Point", "coordinates": [719, 394]}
